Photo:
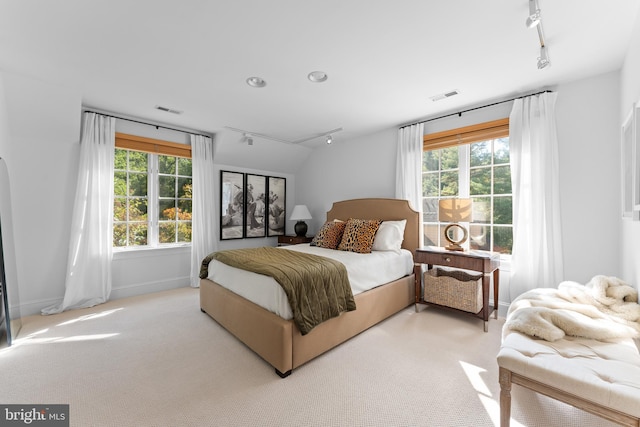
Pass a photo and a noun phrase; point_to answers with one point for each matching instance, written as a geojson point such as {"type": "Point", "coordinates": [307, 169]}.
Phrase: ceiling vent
{"type": "Point", "coordinates": [168, 110]}
{"type": "Point", "coordinates": [444, 95]}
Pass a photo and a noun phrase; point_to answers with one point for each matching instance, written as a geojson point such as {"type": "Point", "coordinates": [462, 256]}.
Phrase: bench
{"type": "Point", "coordinates": [600, 376]}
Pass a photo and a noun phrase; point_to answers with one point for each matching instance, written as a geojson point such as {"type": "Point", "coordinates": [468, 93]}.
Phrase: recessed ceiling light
{"type": "Point", "coordinates": [256, 82]}
{"type": "Point", "coordinates": [318, 76]}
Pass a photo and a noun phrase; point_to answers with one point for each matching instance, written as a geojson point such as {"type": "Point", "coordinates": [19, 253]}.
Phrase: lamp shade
{"type": "Point", "coordinates": [300, 213]}
{"type": "Point", "coordinates": [454, 210]}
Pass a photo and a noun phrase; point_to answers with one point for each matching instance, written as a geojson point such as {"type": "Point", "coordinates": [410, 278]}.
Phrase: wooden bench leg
{"type": "Point", "coordinates": [505, 397]}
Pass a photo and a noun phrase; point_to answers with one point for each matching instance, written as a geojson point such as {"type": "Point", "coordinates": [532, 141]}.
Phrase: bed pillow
{"type": "Point", "coordinates": [329, 235]}
{"type": "Point", "coordinates": [389, 236]}
{"type": "Point", "coordinates": [358, 235]}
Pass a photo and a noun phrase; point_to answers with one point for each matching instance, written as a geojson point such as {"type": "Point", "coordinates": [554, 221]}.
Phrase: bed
{"type": "Point", "coordinates": [279, 341]}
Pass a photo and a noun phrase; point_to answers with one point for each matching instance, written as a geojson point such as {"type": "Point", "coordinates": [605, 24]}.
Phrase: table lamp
{"type": "Point", "coordinates": [300, 213]}
{"type": "Point", "coordinates": [454, 211]}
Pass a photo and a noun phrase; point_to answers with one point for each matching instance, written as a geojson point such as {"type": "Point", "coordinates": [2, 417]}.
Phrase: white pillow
{"type": "Point", "coordinates": [389, 236]}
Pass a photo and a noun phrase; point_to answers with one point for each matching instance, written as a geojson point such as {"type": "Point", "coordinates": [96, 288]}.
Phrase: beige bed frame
{"type": "Point", "coordinates": [278, 341]}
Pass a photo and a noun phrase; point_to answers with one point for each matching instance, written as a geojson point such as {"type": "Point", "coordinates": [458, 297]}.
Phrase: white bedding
{"type": "Point", "coordinates": [365, 271]}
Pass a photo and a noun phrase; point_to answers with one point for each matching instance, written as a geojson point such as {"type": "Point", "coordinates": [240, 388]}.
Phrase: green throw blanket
{"type": "Point", "coordinates": [317, 287]}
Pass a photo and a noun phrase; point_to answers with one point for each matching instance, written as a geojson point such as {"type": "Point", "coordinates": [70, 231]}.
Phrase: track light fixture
{"type": "Point", "coordinates": [534, 14]}
{"type": "Point", "coordinates": [543, 59]}
{"type": "Point", "coordinates": [247, 136]}
{"type": "Point", "coordinates": [535, 20]}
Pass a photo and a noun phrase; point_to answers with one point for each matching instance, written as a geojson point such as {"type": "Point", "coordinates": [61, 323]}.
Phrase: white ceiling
{"type": "Point", "coordinates": [384, 59]}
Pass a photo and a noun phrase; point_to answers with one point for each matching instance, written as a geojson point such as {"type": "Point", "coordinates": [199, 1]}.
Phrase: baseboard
{"type": "Point", "coordinates": [30, 308]}
{"type": "Point", "coordinates": [149, 287]}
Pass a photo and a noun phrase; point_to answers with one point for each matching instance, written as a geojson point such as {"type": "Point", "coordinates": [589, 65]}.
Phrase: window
{"type": "Point", "coordinates": [152, 192]}
{"type": "Point", "coordinates": [470, 162]}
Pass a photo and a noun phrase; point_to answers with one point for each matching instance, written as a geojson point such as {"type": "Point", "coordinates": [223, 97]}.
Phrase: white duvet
{"type": "Point", "coordinates": [365, 271]}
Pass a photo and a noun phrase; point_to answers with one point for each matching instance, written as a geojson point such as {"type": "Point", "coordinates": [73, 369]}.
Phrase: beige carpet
{"type": "Point", "coordinates": [157, 360]}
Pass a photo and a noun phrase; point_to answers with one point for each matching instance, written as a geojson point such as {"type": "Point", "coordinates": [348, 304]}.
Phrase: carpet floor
{"type": "Point", "coordinates": [157, 360]}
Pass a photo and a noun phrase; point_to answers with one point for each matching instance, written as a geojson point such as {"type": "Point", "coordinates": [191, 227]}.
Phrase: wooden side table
{"type": "Point", "coordinates": [293, 240]}
{"type": "Point", "coordinates": [480, 261]}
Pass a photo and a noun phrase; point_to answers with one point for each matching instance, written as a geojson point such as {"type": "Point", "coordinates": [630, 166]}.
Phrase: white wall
{"type": "Point", "coordinates": [42, 149]}
{"type": "Point", "coordinates": [588, 137]}
{"type": "Point", "coordinates": [353, 169]}
{"type": "Point", "coordinates": [587, 113]}
{"type": "Point", "coordinates": [44, 130]}
{"type": "Point", "coordinates": [629, 94]}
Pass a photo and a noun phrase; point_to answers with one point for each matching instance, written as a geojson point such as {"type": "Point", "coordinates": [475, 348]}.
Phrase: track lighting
{"type": "Point", "coordinates": [534, 14]}
{"type": "Point", "coordinates": [246, 137]}
{"type": "Point", "coordinates": [543, 59]}
{"type": "Point", "coordinates": [534, 20]}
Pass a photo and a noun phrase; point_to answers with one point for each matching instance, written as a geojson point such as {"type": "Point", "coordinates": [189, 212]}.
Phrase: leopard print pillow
{"type": "Point", "coordinates": [358, 235]}
{"type": "Point", "coordinates": [329, 235]}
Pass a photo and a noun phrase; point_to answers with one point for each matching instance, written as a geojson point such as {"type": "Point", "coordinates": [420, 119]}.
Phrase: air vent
{"type": "Point", "coordinates": [168, 110]}
{"type": "Point", "coordinates": [444, 95]}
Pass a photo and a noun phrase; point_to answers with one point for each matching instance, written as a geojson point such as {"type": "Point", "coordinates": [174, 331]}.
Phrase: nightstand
{"type": "Point", "coordinates": [480, 261]}
{"type": "Point", "coordinates": [293, 240]}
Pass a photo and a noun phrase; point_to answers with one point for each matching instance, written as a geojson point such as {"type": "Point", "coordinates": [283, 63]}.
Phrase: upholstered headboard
{"type": "Point", "coordinates": [384, 209]}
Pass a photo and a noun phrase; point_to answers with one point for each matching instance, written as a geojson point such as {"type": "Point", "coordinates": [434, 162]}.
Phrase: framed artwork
{"type": "Point", "coordinates": [255, 206]}
{"type": "Point", "coordinates": [276, 206]}
{"type": "Point", "coordinates": [231, 205]}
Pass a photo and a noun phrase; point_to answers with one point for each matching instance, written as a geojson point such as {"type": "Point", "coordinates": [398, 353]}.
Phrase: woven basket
{"type": "Point", "coordinates": [454, 288]}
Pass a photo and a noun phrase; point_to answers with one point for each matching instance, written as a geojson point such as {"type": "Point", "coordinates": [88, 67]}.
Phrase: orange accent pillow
{"type": "Point", "coordinates": [358, 235]}
{"type": "Point", "coordinates": [329, 235]}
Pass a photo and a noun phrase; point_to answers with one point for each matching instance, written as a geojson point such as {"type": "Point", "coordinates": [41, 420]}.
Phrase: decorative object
{"type": "Point", "coordinates": [276, 206]}
{"type": "Point", "coordinates": [455, 211]}
{"type": "Point", "coordinates": [330, 235]}
{"type": "Point", "coordinates": [300, 213]}
{"type": "Point", "coordinates": [255, 206]}
{"type": "Point", "coordinates": [358, 235]}
{"type": "Point", "coordinates": [231, 205]}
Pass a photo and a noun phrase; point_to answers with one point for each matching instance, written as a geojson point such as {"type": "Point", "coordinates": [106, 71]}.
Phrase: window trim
{"type": "Point", "coordinates": [157, 147]}
{"type": "Point", "coordinates": [150, 145]}
{"type": "Point", "coordinates": [466, 135]}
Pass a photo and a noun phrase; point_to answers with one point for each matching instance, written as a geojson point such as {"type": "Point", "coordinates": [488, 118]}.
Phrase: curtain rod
{"type": "Point", "coordinates": [148, 124]}
{"type": "Point", "coordinates": [459, 113]}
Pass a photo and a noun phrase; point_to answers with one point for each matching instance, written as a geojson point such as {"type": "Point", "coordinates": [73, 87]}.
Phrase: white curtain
{"type": "Point", "coordinates": [409, 167]}
{"type": "Point", "coordinates": [203, 240]}
{"type": "Point", "coordinates": [88, 280]}
{"type": "Point", "coordinates": [537, 237]}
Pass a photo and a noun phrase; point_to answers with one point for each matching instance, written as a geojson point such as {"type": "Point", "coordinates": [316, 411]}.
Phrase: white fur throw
{"type": "Point", "coordinates": [604, 308]}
